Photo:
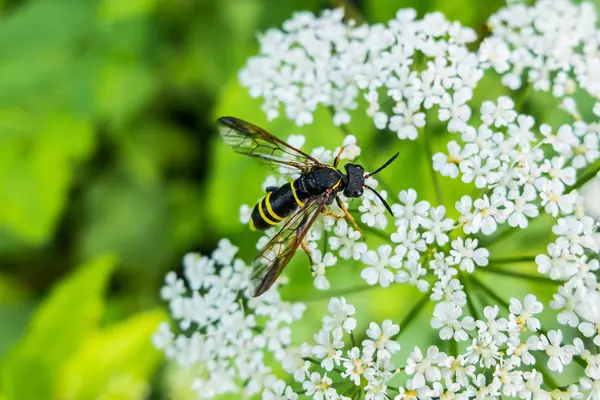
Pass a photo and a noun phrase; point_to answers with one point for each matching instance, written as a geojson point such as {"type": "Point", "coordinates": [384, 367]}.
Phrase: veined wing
{"type": "Point", "coordinates": [249, 139]}
{"type": "Point", "coordinates": [273, 258]}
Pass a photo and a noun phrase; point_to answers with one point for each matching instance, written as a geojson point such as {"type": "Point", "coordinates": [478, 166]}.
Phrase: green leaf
{"type": "Point", "coordinates": [117, 79]}
{"type": "Point", "coordinates": [111, 11]}
{"type": "Point", "coordinates": [58, 327]}
{"type": "Point", "coordinates": [37, 168]}
{"type": "Point", "coordinates": [114, 363]}
{"type": "Point", "coordinates": [129, 219]}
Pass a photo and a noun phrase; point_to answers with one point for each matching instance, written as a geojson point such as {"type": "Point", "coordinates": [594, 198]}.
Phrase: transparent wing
{"type": "Point", "coordinates": [272, 259]}
{"type": "Point", "coordinates": [249, 139]}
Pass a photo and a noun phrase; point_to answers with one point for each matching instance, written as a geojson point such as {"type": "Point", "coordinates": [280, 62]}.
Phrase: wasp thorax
{"type": "Point", "coordinates": [356, 180]}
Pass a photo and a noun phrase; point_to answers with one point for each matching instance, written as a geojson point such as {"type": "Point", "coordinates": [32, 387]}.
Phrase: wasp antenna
{"type": "Point", "coordinates": [387, 206]}
{"type": "Point", "coordinates": [388, 162]}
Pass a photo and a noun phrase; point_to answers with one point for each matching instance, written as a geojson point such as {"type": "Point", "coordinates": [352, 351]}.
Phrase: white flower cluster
{"type": "Point", "coordinates": [224, 332]}
{"type": "Point", "coordinates": [553, 43]}
{"type": "Point", "coordinates": [414, 64]}
{"type": "Point", "coordinates": [518, 169]}
{"type": "Point", "coordinates": [501, 359]}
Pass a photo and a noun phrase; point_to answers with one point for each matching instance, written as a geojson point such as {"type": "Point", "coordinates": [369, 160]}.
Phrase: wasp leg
{"type": "Point", "coordinates": [307, 251]}
{"type": "Point", "coordinates": [348, 215]}
{"type": "Point", "coordinates": [337, 157]}
{"type": "Point", "coordinates": [332, 215]}
{"type": "Point", "coordinates": [271, 188]}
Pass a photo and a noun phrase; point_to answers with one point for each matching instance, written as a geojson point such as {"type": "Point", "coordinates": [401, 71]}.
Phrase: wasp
{"type": "Point", "coordinates": [296, 204]}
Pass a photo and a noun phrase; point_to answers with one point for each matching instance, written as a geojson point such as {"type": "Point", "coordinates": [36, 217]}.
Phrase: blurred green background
{"type": "Point", "coordinates": [111, 170]}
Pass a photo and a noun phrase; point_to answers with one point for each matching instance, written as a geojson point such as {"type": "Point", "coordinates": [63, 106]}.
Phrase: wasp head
{"type": "Point", "coordinates": [356, 180]}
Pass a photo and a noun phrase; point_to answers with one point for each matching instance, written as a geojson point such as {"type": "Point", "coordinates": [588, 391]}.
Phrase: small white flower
{"type": "Point", "coordinates": [380, 340]}
{"type": "Point", "coordinates": [558, 355]}
{"type": "Point", "coordinates": [319, 387]}
{"type": "Point", "coordinates": [449, 290]}
{"type": "Point", "coordinates": [520, 207]}
{"type": "Point", "coordinates": [373, 212]}
{"type": "Point", "coordinates": [558, 172]}
{"type": "Point", "coordinates": [279, 391]}
{"type": "Point", "coordinates": [522, 130]}
{"type": "Point", "coordinates": [355, 365]}
{"type": "Point", "coordinates": [410, 244]}
{"type": "Point", "coordinates": [568, 296]}
{"type": "Point", "coordinates": [474, 168]}
{"type": "Point", "coordinates": [455, 110]}
{"type": "Point", "coordinates": [447, 165]}
{"type": "Point", "coordinates": [173, 288]}
{"type": "Point", "coordinates": [163, 337]}
{"type": "Point", "coordinates": [409, 211]}
{"type": "Point", "coordinates": [424, 368]}
{"type": "Point", "coordinates": [489, 213]}
{"type": "Point", "coordinates": [442, 265]}
{"type": "Point", "coordinates": [293, 361]}
{"type": "Point", "coordinates": [437, 226]}
{"type": "Point", "coordinates": [341, 316]}
{"type": "Point", "coordinates": [412, 274]}
{"type": "Point", "coordinates": [525, 312]}
{"type": "Point", "coordinates": [494, 328]}
{"type": "Point", "coordinates": [327, 348]}
{"type": "Point", "coordinates": [245, 213]}
{"type": "Point", "coordinates": [406, 119]}
{"type": "Point", "coordinates": [318, 268]}
{"type": "Point", "coordinates": [347, 241]}
{"type": "Point", "coordinates": [379, 262]}
{"type": "Point", "coordinates": [224, 252]}
{"type": "Point", "coordinates": [554, 200]}
{"type": "Point", "coordinates": [464, 208]}
{"type": "Point", "coordinates": [446, 316]}
{"type": "Point", "coordinates": [467, 255]}
{"type": "Point", "coordinates": [500, 114]}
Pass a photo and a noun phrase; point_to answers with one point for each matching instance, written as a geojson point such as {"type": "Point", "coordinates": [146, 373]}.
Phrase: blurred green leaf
{"type": "Point", "coordinates": [58, 327]}
{"type": "Point", "coordinates": [115, 10]}
{"type": "Point", "coordinates": [122, 90]}
{"type": "Point", "coordinates": [114, 363]}
{"type": "Point", "coordinates": [37, 169]}
{"type": "Point", "coordinates": [384, 10]}
{"type": "Point", "coordinates": [125, 221]}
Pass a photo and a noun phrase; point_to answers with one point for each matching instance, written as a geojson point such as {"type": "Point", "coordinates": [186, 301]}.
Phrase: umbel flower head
{"type": "Point", "coordinates": [519, 172]}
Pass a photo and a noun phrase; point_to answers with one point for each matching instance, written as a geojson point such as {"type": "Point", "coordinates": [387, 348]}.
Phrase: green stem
{"type": "Point", "coordinates": [548, 380]}
{"type": "Point", "coordinates": [374, 231]}
{"type": "Point", "coordinates": [469, 292]}
{"type": "Point", "coordinates": [509, 260]}
{"type": "Point", "coordinates": [436, 184]}
{"type": "Point", "coordinates": [452, 348]}
{"type": "Point", "coordinates": [483, 287]}
{"type": "Point", "coordinates": [514, 274]}
{"type": "Point", "coordinates": [317, 362]}
{"type": "Point", "coordinates": [412, 314]}
{"type": "Point", "coordinates": [487, 240]}
{"type": "Point", "coordinates": [521, 94]}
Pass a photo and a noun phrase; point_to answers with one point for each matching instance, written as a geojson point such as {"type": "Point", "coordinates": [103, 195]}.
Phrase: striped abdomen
{"type": "Point", "coordinates": [277, 205]}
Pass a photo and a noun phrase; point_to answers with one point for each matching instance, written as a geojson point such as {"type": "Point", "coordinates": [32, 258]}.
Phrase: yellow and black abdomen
{"type": "Point", "coordinates": [277, 205]}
